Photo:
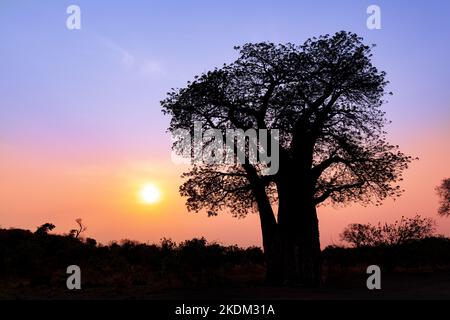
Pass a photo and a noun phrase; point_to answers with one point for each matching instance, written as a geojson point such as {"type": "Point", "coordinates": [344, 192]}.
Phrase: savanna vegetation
{"type": "Point", "coordinates": [40, 259]}
{"type": "Point", "coordinates": [36, 261]}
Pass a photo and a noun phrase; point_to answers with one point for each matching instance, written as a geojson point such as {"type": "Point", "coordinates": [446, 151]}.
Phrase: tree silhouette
{"type": "Point", "coordinates": [324, 97]}
{"type": "Point", "coordinates": [75, 233]}
{"type": "Point", "coordinates": [387, 234]}
{"type": "Point", "coordinates": [443, 191]}
{"type": "Point", "coordinates": [44, 229]}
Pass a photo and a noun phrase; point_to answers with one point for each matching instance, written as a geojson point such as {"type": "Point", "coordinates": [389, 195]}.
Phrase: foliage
{"type": "Point", "coordinates": [41, 259]}
{"type": "Point", "coordinates": [44, 229]}
{"type": "Point", "coordinates": [424, 255]}
{"type": "Point", "coordinates": [407, 229]}
{"type": "Point", "coordinates": [31, 260]}
{"type": "Point", "coordinates": [324, 97]}
{"type": "Point", "coordinates": [443, 190]}
{"type": "Point", "coordinates": [75, 233]}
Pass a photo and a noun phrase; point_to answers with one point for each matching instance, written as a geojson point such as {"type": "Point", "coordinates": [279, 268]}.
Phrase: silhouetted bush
{"type": "Point", "coordinates": [407, 229]}
{"type": "Point", "coordinates": [423, 255]}
{"type": "Point", "coordinates": [41, 259]}
{"type": "Point", "coordinates": [44, 229]}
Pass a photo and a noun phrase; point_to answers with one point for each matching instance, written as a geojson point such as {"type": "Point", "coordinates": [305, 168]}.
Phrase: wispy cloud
{"type": "Point", "coordinates": [152, 68]}
{"type": "Point", "coordinates": [126, 58]}
{"type": "Point", "coordinates": [146, 67]}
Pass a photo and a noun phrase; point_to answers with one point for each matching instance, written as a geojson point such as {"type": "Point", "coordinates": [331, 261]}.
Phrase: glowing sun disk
{"type": "Point", "coordinates": [149, 194]}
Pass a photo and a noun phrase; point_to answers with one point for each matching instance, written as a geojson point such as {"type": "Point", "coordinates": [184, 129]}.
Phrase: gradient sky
{"type": "Point", "coordinates": [81, 127]}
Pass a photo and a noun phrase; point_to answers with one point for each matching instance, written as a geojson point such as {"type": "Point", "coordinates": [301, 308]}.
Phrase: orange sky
{"type": "Point", "coordinates": [50, 186]}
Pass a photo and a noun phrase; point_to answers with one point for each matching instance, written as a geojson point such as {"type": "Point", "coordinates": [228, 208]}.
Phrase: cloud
{"type": "Point", "coordinates": [126, 58]}
{"type": "Point", "coordinates": [152, 68]}
{"type": "Point", "coordinates": [147, 67]}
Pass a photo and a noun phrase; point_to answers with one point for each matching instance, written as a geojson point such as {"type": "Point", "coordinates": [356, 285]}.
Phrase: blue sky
{"type": "Point", "coordinates": [129, 53]}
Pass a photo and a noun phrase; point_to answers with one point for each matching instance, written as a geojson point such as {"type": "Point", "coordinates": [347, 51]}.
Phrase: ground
{"type": "Point", "coordinates": [394, 286]}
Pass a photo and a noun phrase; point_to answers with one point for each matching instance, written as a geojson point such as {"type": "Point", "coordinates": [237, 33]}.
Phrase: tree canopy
{"type": "Point", "coordinates": [324, 96]}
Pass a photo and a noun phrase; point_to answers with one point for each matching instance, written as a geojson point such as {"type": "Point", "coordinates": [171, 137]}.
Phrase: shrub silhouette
{"type": "Point", "coordinates": [44, 229]}
{"type": "Point", "coordinates": [75, 233]}
{"type": "Point", "coordinates": [422, 255]}
{"type": "Point", "coordinates": [404, 230]}
{"type": "Point", "coordinates": [41, 259]}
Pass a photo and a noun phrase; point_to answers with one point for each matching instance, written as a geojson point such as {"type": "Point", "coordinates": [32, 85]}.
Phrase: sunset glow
{"type": "Point", "coordinates": [149, 194]}
{"type": "Point", "coordinates": [81, 128]}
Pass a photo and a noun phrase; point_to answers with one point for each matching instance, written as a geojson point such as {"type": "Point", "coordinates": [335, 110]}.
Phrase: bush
{"type": "Point", "coordinates": [41, 258]}
{"type": "Point", "coordinates": [407, 229]}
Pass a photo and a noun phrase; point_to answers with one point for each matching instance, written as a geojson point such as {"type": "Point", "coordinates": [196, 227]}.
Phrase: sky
{"type": "Point", "coordinates": [81, 127]}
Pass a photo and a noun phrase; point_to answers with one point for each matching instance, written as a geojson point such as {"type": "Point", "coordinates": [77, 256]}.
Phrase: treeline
{"type": "Point", "coordinates": [40, 259]}
{"type": "Point", "coordinates": [431, 254]}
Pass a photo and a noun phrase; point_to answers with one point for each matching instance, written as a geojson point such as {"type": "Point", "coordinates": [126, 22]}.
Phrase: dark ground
{"type": "Point", "coordinates": [394, 286]}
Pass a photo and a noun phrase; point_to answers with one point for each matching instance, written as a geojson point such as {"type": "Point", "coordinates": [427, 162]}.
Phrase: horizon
{"type": "Point", "coordinates": [82, 132]}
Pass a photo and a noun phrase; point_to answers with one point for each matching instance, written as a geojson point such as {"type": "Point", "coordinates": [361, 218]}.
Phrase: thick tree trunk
{"type": "Point", "coordinates": [273, 255]}
{"type": "Point", "coordinates": [291, 244]}
{"type": "Point", "coordinates": [292, 250]}
{"type": "Point", "coordinates": [308, 246]}
{"type": "Point", "coordinates": [300, 245]}
{"type": "Point", "coordinates": [298, 229]}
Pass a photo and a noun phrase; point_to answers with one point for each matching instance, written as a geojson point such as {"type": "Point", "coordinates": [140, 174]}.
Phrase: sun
{"type": "Point", "coordinates": [149, 194]}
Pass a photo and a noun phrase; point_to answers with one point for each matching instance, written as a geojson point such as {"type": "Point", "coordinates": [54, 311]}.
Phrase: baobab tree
{"type": "Point", "coordinates": [325, 98]}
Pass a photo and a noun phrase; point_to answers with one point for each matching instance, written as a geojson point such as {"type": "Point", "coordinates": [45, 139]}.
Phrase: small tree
{"type": "Point", "coordinates": [359, 235]}
{"type": "Point", "coordinates": [44, 229]}
{"type": "Point", "coordinates": [407, 229]}
{"type": "Point", "coordinates": [443, 191]}
{"type": "Point", "coordinates": [91, 242]}
{"type": "Point", "coordinates": [75, 233]}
